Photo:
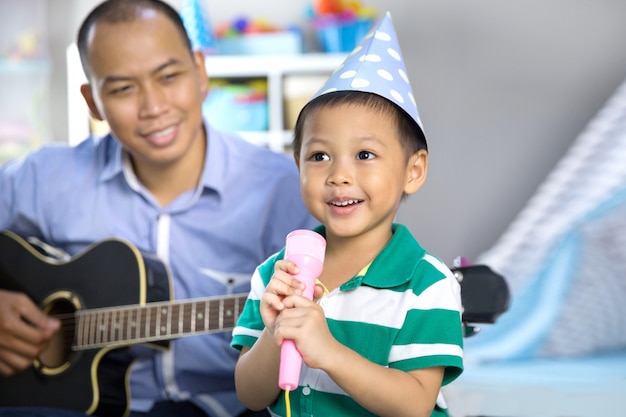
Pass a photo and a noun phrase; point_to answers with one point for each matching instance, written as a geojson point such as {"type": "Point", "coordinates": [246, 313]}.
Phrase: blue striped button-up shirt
{"type": "Point", "coordinates": [212, 238]}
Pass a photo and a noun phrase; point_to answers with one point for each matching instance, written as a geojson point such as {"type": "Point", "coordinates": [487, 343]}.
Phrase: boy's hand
{"type": "Point", "coordinates": [281, 285]}
{"type": "Point", "coordinates": [304, 321]}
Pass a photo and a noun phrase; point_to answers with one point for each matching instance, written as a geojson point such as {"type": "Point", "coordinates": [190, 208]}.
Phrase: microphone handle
{"type": "Point", "coordinates": [290, 357]}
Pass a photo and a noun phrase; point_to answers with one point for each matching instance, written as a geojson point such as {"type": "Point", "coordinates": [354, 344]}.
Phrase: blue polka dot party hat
{"type": "Point", "coordinates": [376, 66]}
{"type": "Point", "coordinates": [196, 21]}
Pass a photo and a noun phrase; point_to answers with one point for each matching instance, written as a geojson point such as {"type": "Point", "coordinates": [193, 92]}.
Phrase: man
{"type": "Point", "coordinates": [209, 204]}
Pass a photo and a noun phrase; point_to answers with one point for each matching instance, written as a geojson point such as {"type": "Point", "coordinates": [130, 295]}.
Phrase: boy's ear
{"type": "Point", "coordinates": [417, 169]}
{"type": "Point", "coordinates": [85, 90]}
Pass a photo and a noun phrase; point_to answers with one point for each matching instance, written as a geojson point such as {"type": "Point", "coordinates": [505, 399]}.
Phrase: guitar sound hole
{"type": "Point", "coordinates": [56, 357]}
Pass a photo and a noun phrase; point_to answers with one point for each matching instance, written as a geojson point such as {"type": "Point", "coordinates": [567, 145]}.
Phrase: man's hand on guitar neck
{"type": "Point", "coordinates": [24, 332]}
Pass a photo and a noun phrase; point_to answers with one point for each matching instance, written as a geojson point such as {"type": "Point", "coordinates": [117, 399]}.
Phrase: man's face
{"type": "Point", "coordinates": [148, 87]}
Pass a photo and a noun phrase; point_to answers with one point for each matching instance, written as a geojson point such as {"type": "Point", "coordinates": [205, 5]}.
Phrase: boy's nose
{"type": "Point", "coordinates": [340, 173]}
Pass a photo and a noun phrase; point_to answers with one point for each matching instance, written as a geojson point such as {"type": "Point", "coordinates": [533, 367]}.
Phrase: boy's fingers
{"type": "Point", "coordinates": [273, 301]}
{"type": "Point", "coordinates": [288, 266]}
{"type": "Point", "coordinates": [318, 292]}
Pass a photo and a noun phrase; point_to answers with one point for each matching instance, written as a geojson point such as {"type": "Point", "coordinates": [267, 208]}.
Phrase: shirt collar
{"type": "Point", "coordinates": [215, 160]}
{"type": "Point", "coordinates": [385, 271]}
{"type": "Point", "coordinates": [112, 158]}
{"type": "Point", "coordinates": [215, 164]}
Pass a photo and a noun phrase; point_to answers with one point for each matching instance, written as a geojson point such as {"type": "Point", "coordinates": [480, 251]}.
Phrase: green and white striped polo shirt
{"type": "Point", "coordinates": [402, 311]}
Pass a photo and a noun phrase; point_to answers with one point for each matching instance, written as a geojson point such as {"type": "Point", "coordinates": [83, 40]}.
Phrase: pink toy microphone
{"type": "Point", "coordinates": [306, 249]}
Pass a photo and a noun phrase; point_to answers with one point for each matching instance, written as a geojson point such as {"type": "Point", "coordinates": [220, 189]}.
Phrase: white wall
{"type": "Point", "coordinates": [503, 88]}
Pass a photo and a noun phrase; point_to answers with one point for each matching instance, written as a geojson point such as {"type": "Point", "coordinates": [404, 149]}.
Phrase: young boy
{"type": "Point", "coordinates": [385, 333]}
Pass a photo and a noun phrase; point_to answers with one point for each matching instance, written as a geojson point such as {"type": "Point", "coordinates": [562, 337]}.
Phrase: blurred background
{"type": "Point", "coordinates": [503, 89]}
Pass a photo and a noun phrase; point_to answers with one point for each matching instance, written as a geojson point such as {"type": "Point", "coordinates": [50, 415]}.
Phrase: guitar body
{"type": "Point", "coordinates": [109, 273]}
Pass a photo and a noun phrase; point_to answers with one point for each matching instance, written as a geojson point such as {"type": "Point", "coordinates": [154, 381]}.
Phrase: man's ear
{"type": "Point", "coordinates": [417, 169]}
{"type": "Point", "coordinates": [85, 90]}
{"type": "Point", "coordinates": [199, 61]}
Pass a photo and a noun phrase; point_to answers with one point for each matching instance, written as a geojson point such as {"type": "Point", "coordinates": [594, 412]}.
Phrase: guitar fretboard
{"type": "Point", "coordinates": [155, 321]}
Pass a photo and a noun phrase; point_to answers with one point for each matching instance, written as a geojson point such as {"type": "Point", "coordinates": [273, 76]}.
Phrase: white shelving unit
{"type": "Point", "coordinates": [24, 106]}
{"type": "Point", "coordinates": [274, 68]}
{"type": "Point", "coordinates": [24, 77]}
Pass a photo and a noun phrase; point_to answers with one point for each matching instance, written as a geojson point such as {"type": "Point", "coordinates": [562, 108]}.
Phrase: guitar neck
{"type": "Point", "coordinates": [150, 322]}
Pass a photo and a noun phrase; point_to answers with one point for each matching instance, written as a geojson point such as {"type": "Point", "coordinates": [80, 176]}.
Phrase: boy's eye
{"type": "Point", "coordinates": [366, 155]}
{"type": "Point", "coordinates": [319, 156]}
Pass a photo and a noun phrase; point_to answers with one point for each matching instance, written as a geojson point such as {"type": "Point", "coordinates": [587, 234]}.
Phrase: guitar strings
{"type": "Point", "coordinates": [98, 326]}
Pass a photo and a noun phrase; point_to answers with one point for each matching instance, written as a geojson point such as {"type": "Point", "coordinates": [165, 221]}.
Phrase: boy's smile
{"type": "Point", "coordinates": [343, 206]}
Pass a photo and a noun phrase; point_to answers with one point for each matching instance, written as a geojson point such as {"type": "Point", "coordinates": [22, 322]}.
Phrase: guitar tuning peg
{"type": "Point", "coordinates": [461, 261]}
{"type": "Point", "coordinates": [458, 275]}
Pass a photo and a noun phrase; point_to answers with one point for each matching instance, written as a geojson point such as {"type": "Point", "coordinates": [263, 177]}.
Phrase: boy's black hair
{"type": "Point", "coordinates": [411, 136]}
{"type": "Point", "coordinates": [119, 11]}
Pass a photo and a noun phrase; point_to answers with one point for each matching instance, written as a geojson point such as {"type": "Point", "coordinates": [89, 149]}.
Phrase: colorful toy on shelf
{"type": "Point", "coordinates": [323, 7]}
{"type": "Point", "coordinates": [340, 24]}
{"type": "Point", "coordinates": [237, 106]}
{"type": "Point", "coordinates": [244, 36]}
{"type": "Point", "coordinates": [243, 25]}
{"type": "Point", "coordinates": [196, 20]}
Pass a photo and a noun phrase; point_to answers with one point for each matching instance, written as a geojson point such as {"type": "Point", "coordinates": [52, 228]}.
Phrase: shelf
{"type": "Point", "coordinates": [271, 67]}
{"type": "Point", "coordinates": [226, 66]}
{"type": "Point", "coordinates": [24, 66]}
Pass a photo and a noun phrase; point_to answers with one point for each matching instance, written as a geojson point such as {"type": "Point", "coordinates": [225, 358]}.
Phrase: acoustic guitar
{"type": "Point", "coordinates": [108, 297]}
{"type": "Point", "coordinates": [111, 296]}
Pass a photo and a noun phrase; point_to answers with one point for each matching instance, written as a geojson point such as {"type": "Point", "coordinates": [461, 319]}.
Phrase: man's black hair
{"type": "Point", "coordinates": [120, 11]}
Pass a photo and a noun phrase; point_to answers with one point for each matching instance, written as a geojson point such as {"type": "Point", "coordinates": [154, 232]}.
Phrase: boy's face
{"type": "Point", "coordinates": [353, 170]}
{"type": "Point", "coordinates": [148, 87]}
